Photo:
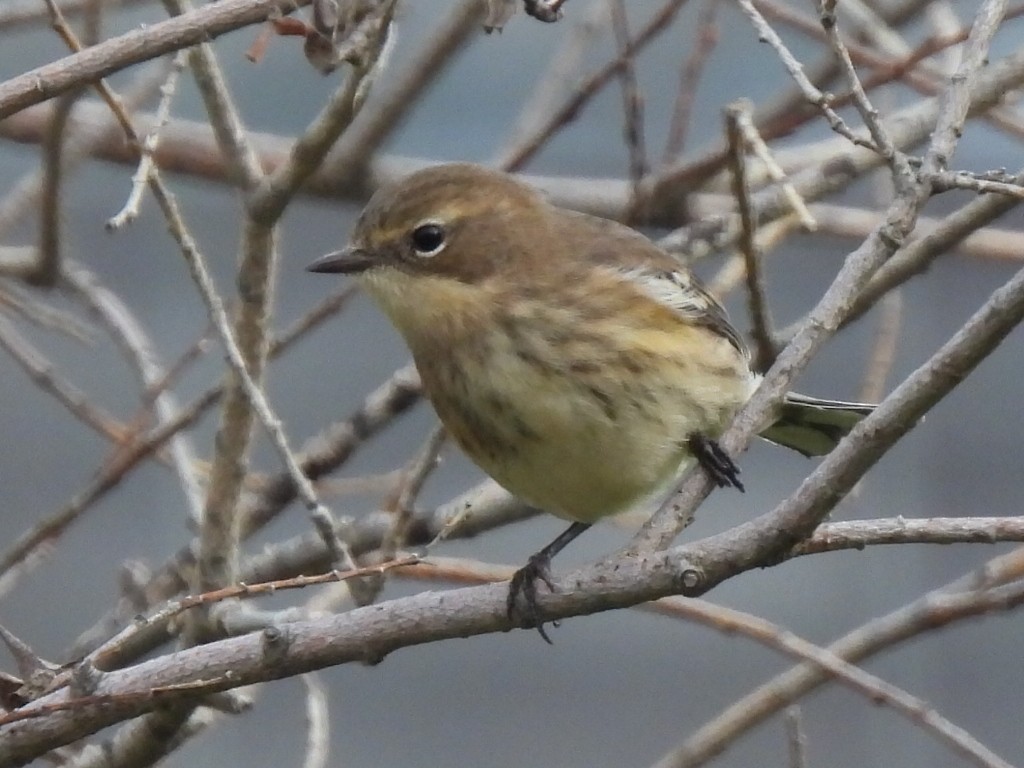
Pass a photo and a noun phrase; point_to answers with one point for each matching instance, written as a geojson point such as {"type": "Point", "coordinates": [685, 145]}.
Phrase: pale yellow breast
{"type": "Point", "coordinates": [580, 414]}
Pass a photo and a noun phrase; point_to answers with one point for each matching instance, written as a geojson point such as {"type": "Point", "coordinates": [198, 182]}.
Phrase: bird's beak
{"type": "Point", "coordinates": [347, 261]}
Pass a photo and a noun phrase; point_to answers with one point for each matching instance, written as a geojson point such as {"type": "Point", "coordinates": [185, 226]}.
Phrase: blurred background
{"type": "Point", "coordinates": [616, 689]}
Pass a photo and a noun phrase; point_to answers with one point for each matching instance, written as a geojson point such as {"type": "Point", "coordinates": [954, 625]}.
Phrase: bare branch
{"type": "Point", "coordinates": [49, 80]}
{"type": "Point", "coordinates": [757, 297]}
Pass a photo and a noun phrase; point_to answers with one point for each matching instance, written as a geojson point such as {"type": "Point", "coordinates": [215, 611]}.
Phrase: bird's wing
{"type": "Point", "coordinates": [636, 259]}
{"type": "Point", "coordinates": [683, 294]}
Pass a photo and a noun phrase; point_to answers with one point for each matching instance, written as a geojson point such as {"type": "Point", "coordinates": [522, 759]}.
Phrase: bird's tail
{"type": "Point", "coordinates": [812, 426]}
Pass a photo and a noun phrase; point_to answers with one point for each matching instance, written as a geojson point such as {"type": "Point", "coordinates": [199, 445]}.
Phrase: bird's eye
{"type": "Point", "coordinates": [428, 238]}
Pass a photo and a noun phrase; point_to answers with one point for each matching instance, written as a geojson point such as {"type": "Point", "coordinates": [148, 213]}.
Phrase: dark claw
{"type": "Point", "coordinates": [538, 568]}
{"type": "Point", "coordinates": [524, 582]}
{"type": "Point", "coordinates": [715, 461]}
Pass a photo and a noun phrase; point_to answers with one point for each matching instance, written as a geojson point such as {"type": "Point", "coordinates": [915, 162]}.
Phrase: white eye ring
{"type": "Point", "coordinates": [428, 238]}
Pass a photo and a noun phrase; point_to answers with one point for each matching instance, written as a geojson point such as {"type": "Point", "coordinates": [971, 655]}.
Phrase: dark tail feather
{"type": "Point", "coordinates": [812, 426]}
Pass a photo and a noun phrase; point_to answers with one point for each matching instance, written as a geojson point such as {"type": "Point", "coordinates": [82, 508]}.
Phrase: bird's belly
{"type": "Point", "coordinates": [579, 444]}
{"type": "Point", "coordinates": [588, 474]}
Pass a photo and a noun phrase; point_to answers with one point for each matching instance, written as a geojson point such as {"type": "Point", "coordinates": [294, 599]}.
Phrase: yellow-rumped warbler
{"type": "Point", "coordinates": [572, 359]}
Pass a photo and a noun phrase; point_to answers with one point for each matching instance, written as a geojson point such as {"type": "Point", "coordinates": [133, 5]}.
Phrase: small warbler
{"type": "Point", "coordinates": [573, 360]}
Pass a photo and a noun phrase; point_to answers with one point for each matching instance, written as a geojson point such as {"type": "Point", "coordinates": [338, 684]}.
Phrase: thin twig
{"type": "Point", "coordinates": [51, 218]}
{"type": "Point", "coordinates": [936, 609]}
{"type": "Point", "coordinates": [385, 113]}
{"type": "Point", "coordinates": [223, 115]}
{"type": "Point", "coordinates": [984, 242]}
{"type": "Point", "coordinates": [133, 341]}
{"type": "Point", "coordinates": [482, 509]}
{"type": "Point", "coordinates": [757, 145]}
{"type": "Point", "coordinates": [130, 210]}
{"type": "Point", "coordinates": [88, 134]}
{"type": "Point", "coordinates": [632, 100]}
{"type": "Point", "coordinates": [757, 295]}
{"type": "Point", "coordinates": [857, 534]}
{"type": "Point", "coordinates": [706, 39]}
{"type": "Point", "coordinates": [103, 657]}
{"type": "Point", "coordinates": [882, 141]}
{"type": "Point", "coordinates": [44, 375]}
{"type": "Point", "coordinates": [893, 63]}
{"type": "Point", "coordinates": [944, 181]}
{"type": "Point", "coordinates": [833, 666]}
{"type": "Point", "coordinates": [795, 68]}
{"type": "Point", "coordinates": [410, 483]}
{"type": "Point", "coordinates": [563, 68]}
{"type": "Point", "coordinates": [957, 97]}
{"type": "Point", "coordinates": [306, 154]}
{"type": "Point", "coordinates": [522, 153]}
{"type": "Point", "coordinates": [20, 302]}
{"type": "Point", "coordinates": [325, 310]}
{"type": "Point", "coordinates": [324, 452]}
{"type": "Point", "coordinates": [915, 257]}
{"type": "Point", "coordinates": [130, 746]}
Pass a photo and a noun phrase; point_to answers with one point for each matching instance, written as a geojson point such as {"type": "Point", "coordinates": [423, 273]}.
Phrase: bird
{"type": "Point", "coordinates": [573, 360]}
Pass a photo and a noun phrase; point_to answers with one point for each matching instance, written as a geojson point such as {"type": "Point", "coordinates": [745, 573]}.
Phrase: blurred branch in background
{"type": "Point", "coordinates": [156, 658]}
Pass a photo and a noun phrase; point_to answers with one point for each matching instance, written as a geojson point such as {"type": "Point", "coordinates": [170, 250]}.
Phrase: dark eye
{"type": "Point", "coordinates": [428, 238]}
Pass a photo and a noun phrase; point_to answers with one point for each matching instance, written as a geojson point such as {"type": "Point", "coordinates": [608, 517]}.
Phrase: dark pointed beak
{"type": "Point", "coordinates": [347, 261]}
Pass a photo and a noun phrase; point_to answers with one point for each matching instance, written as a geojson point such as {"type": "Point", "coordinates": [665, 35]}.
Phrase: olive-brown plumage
{"type": "Point", "coordinates": [571, 358]}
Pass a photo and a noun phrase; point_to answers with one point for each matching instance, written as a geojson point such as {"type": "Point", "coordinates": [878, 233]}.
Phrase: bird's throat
{"type": "Point", "coordinates": [429, 309]}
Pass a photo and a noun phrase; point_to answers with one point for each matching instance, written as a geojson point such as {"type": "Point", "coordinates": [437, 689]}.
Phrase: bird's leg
{"type": "Point", "coordinates": [715, 460]}
{"type": "Point", "coordinates": [538, 568]}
